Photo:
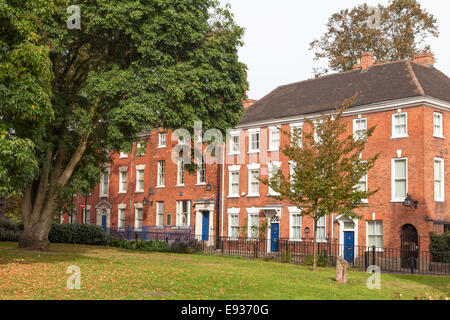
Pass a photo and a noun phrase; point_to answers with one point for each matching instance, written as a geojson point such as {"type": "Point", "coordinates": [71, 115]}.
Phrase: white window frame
{"type": "Point", "coordinates": [394, 135]}
{"type": "Point", "coordinates": [375, 235]}
{"type": "Point", "coordinates": [440, 125]}
{"type": "Point", "coordinates": [123, 155]}
{"type": "Point", "coordinates": [317, 139]}
{"type": "Point", "coordinates": [137, 208]}
{"type": "Point", "coordinates": [162, 145]}
{"type": "Point", "coordinates": [272, 131]}
{"type": "Point", "coordinates": [105, 193]}
{"type": "Point", "coordinates": [140, 170]}
{"type": "Point", "coordinates": [299, 127]}
{"type": "Point", "coordinates": [254, 167]}
{"type": "Point", "coordinates": [442, 181]}
{"type": "Point", "coordinates": [121, 209]}
{"type": "Point", "coordinates": [235, 134]}
{"type": "Point", "coordinates": [365, 179]}
{"type": "Point", "coordinates": [161, 178]}
{"type": "Point", "coordinates": [359, 133]}
{"type": "Point", "coordinates": [252, 132]}
{"type": "Point", "coordinates": [121, 171]}
{"type": "Point", "coordinates": [233, 170]}
{"type": "Point", "coordinates": [324, 226]}
{"type": "Point", "coordinates": [294, 211]}
{"type": "Point", "coordinates": [394, 199]}
{"type": "Point", "coordinates": [201, 167]}
{"type": "Point", "coordinates": [250, 235]}
{"type": "Point", "coordinates": [180, 214]}
{"type": "Point", "coordinates": [272, 167]}
{"type": "Point", "coordinates": [160, 214]}
{"type": "Point", "coordinates": [233, 213]}
{"type": "Point", "coordinates": [181, 174]}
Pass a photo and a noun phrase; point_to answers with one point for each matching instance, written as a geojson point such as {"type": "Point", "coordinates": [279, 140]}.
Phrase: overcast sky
{"type": "Point", "coordinates": [278, 33]}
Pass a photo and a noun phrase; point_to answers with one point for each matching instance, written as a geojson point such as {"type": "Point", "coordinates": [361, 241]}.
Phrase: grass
{"type": "Point", "coordinates": [109, 273]}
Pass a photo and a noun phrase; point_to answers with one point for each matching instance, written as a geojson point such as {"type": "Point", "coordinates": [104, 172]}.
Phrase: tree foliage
{"type": "Point", "coordinates": [133, 66]}
{"type": "Point", "coordinates": [326, 168]}
{"type": "Point", "coordinates": [403, 31]}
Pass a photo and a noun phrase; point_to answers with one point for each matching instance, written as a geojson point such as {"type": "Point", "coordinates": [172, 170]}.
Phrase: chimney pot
{"type": "Point", "coordinates": [424, 59]}
{"type": "Point", "coordinates": [367, 60]}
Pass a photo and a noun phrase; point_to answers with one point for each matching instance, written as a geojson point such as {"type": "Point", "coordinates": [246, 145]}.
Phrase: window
{"type": "Point", "coordinates": [254, 141]}
{"type": "Point", "coordinates": [321, 229]}
{"type": "Point", "coordinates": [295, 231]}
{"type": "Point", "coordinates": [400, 125]}
{"type": "Point", "coordinates": [253, 224]}
{"type": "Point", "coordinates": [162, 140]}
{"type": "Point", "coordinates": [273, 167]}
{"type": "Point", "coordinates": [123, 180]}
{"type": "Point", "coordinates": [359, 128]}
{"type": "Point", "coordinates": [123, 155]}
{"type": "Point", "coordinates": [201, 174]}
{"type": "Point", "coordinates": [316, 135]}
{"type": "Point", "coordinates": [274, 139]}
{"type": "Point", "coordinates": [140, 149]}
{"type": "Point", "coordinates": [159, 214]}
{"type": "Point", "coordinates": [183, 213]}
{"type": "Point", "coordinates": [297, 128]}
{"type": "Point", "coordinates": [233, 186]}
{"type": "Point", "coordinates": [375, 234]}
{"type": "Point", "coordinates": [139, 218]}
{"type": "Point", "coordinates": [87, 216]}
{"type": "Point", "coordinates": [169, 219]}
{"type": "Point", "coordinates": [161, 173]}
{"type": "Point", "coordinates": [180, 174]}
{"type": "Point", "coordinates": [233, 225]}
{"type": "Point", "coordinates": [253, 182]}
{"type": "Point", "coordinates": [363, 187]}
{"type": "Point", "coordinates": [439, 179]}
{"type": "Point", "coordinates": [400, 180]}
{"type": "Point", "coordinates": [105, 184]}
{"type": "Point", "coordinates": [139, 179]}
{"type": "Point", "coordinates": [235, 143]}
{"type": "Point", "coordinates": [121, 222]}
{"type": "Point", "coordinates": [438, 126]}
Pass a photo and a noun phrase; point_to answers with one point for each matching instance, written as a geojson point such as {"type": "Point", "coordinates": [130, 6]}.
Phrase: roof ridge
{"type": "Point", "coordinates": [414, 78]}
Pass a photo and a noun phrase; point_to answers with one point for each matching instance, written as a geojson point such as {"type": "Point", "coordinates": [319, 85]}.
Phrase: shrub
{"type": "Point", "coordinates": [78, 234]}
{"type": "Point", "coordinates": [440, 247]}
{"type": "Point", "coordinates": [188, 247]}
{"type": "Point", "coordinates": [322, 260]}
{"type": "Point", "coordinates": [10, 232]}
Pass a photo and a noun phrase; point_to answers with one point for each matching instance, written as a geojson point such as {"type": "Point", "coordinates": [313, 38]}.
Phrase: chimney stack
{"type": "Point", "coordinates": [248, 103]}
{"type": "Point", "coordinates": [367, 60]}
{"type": "Point", "coordinates": [424, 59]}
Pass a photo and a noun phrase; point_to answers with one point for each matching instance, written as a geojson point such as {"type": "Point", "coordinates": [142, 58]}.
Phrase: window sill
{"type": "Point", "coordinates": [104, 195]}
{"type": "Point", "coordinates": [295, 240]}
{"type": "Point", "coordinates": [398, 201]}
{"type": "Point", "coordinates": [274, 150]}
{"type": "Point", "coordinates": [201, 184]}
{"type": "Point", "coordinates": [253, 152]}
{"type": "Point", "coordinates": [139, 191]}
{"type": "Point", "coordinates": [400, 137]}
{"type": "Point", "coordinates": [253, 196]}
{"type": "Point", "coordinates": [122, 192]}
{"type": "Point", "coordinates": [180, 186]}
{"type": "Point", "coordinates": [439, 201]}
{"type": "Point", "coordinates": [234, 154]}
{"type": "Point", "coordinates": [376, 250]}
{"type": "Point", "coordinates": [438, 137]}
{"type": "Point", "coordinates": [233, 197]}
{"type": "Point", "coordinates": [162, 147]}
{"type": "Point", "coordinates": [160, 187]}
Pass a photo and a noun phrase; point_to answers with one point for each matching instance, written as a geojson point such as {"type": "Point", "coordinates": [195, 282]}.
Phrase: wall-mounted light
{"type": "Point", "coordinates": [144, 202]}
{"type": "Point", "coordinates": [410, 202]}
{"type": "Point", "coordinates": [208, 187]}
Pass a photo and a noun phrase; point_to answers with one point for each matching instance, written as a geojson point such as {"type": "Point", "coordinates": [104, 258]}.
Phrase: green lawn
{"type": "Point", "coordinates": [108, 273]}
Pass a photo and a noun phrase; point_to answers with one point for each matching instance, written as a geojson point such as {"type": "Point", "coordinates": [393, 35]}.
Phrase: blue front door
{"type": "Point", "coordinates": [104, 222]}
{"type": "Point", "coordinates": [275, 237]}
{"type": "Point", "coordinates": [349, 246]}
{"type": "Point", "coordinates": [205, 226]}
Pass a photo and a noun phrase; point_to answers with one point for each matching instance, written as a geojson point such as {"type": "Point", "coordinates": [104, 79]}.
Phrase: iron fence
{"type": "Point", "coordinates": [301, 251]}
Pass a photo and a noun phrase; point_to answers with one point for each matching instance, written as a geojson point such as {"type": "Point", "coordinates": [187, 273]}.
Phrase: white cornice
{"type": "Point", "coordinates": [365, 109]}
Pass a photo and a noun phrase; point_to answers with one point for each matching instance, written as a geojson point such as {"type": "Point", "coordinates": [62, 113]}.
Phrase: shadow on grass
{"type": "Point", "coordinates": [10, 253]}
{"type": "Point", "coordinates": [441, 283]}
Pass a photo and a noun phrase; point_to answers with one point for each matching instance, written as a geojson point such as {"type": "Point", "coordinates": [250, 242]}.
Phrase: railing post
{"type": "Point", "coordinates": [374, 256]}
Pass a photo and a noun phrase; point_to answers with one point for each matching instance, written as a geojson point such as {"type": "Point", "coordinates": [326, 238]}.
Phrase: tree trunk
{"type": "Point", "coordinates": [3, 218]}
{"type": "Point", "coordinates": [315, 244]}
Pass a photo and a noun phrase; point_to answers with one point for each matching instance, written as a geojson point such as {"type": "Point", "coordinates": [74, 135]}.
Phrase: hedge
{"type": "Point", "coordinates": [78, 234]}
{"type": "Point", "coordinates": [440, 247]}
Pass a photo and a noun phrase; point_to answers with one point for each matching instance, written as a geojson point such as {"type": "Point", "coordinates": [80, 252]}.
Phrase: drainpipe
{"type": "Point", "coordinates": [131, 186]}
{"type": "Point", "coordinates": [219, 187]}
{"type": "Point", "coordinates": [223, 186]}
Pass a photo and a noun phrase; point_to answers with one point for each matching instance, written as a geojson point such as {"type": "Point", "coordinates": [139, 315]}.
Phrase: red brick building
{"type": "Point", "coordinates": [407, 101]}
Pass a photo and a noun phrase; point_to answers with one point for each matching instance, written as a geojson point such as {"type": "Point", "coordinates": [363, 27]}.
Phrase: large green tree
{"type": "Point", "coordinates": [133, 65]}
{"type": "Point", "coordinates": [400, 32]}
{"type": "Point", "coordinates": [327, 167]}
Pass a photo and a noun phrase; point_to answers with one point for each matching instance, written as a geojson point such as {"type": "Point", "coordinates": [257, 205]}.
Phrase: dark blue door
{"type": "Point", "coordinates": [349, 246]}
{"type": "Point", "coordinates": [104, 222]}
{"type": "Point", "coordinates": [275, 237]}
{"type": "Point", "coordinates": [205, 226]}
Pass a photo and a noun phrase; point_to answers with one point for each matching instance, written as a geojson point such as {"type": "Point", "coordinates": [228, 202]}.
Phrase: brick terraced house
{"type": "Point", "coordinates": [407, 101]}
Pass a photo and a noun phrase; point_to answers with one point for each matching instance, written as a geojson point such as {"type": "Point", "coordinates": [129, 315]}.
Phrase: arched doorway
{"type": "Point", "coordinates": [409, 246]}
